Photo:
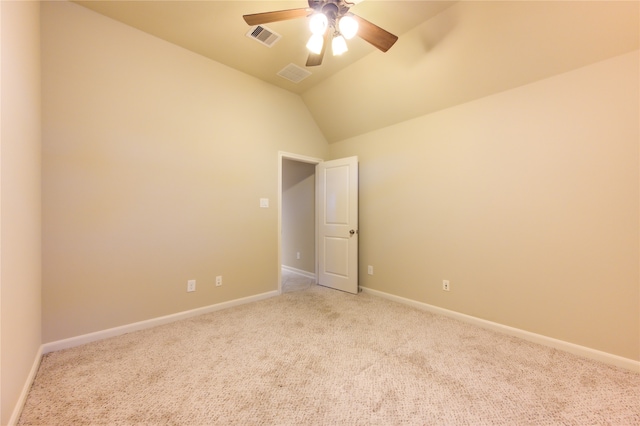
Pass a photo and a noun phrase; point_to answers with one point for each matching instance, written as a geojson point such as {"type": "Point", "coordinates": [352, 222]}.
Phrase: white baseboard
{"type": "Point", "coordinates": [583, 351]}
{"type": "Point", "coordinates": [118, 331]}
{"type": "Point", "coordinates": [299, 272]}
{"type": "Point", "coordinates": [17, 410]}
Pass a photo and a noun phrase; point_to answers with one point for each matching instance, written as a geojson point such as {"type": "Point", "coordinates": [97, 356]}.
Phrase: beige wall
{"type": "Point", "coordinates": [20, 241]}
{"type": "Point", "coordinates": [298, 215]}
{"type": "Point", "coordinates": [154, 161]}
{"type": "Point", "coordinates": [526, 200]}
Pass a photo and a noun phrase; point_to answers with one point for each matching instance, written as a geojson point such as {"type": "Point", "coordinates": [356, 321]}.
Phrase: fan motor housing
{"type": "Point", "coordinates": [331, 8]}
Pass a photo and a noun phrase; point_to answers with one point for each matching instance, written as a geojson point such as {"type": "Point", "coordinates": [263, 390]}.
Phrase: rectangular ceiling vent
{"type": "Point", "coordinates": [263, 35]}
{"type": "Point", "coordinates": [294, 73]}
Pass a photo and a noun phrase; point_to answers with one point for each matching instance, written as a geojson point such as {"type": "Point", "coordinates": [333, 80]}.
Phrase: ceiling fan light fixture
{"type": "Point", "coordinates": [318, 23]}
{"type": "Point", "coordinates": [338, 45]}
{"type": "Point", "coordinates": [348, 27]}
{"type": "Point", "coordinates": [315, 43]}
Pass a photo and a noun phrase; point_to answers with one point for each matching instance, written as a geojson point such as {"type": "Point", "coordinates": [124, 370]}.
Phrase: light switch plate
{"type": "Point", "coordinates": [264, 203]}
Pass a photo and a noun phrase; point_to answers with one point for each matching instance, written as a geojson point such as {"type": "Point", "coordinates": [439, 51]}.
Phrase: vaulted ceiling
{"type": "Point", "coordinates": [447, 52]}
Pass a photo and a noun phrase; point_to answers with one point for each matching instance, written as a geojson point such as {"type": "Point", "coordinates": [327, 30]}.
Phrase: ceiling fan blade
{"type": "Point", "coordinates": [279, 15]}
{"type": "Point", "coordinates": [374, 35]}
{"type": "Point", "coordinates": [315, 59]}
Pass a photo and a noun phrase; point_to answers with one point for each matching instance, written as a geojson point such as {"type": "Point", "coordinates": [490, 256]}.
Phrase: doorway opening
{"type": "Point", "coordinates": [297, 225]}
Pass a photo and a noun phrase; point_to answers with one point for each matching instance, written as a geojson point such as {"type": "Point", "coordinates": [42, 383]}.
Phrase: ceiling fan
{"type": "Point", "coordinates": [332, 22]}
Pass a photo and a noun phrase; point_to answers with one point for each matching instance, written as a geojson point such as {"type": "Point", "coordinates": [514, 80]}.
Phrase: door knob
{"type": "Point", "coordinates": [353, 231]}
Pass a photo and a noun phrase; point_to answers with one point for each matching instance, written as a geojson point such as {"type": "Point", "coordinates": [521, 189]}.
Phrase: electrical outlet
{"type": "Point", "coordinates": [218, 280]}
{"type": "Point", "coordinates": [445, 285]}
{"type": "Point", "coordinates": [298, 255]}
{"type": "Point", "coordinates": [370, 270]}
{"type": "Point", "coordinates": [191, 285]}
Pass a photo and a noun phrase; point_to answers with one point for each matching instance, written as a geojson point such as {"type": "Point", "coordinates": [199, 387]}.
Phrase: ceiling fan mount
{"type": "Point", "coordinates": [340, 7]}
{"type": "Point", "coordinates": [333, 10]}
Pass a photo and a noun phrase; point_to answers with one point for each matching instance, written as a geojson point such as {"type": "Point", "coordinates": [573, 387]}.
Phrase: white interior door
{"type": "Point", "coordinates": [338, 224]}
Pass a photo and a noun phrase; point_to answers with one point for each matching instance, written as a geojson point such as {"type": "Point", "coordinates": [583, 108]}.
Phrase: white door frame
{"type": "Point", "coordinates": [303, 159]}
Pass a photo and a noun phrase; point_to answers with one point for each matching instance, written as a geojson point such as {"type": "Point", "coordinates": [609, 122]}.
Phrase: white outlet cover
{"type": "Point", "coordinates": [264, 203]}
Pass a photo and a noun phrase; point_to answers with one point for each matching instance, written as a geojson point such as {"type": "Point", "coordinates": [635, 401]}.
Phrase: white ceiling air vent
{"type": "Point", "coordinates": [294, 73]}
{"type": "Point", "coordinates": [263, 35]}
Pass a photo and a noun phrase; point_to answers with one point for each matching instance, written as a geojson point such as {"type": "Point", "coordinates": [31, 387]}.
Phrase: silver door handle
{"type": "Point", "coordinates": [353, 231]}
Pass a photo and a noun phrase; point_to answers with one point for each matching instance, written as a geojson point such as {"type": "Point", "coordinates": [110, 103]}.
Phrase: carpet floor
{"type": "Point", "coordinates": [292, 281]}
{"type": "Point", "coordinates": [315, 356]}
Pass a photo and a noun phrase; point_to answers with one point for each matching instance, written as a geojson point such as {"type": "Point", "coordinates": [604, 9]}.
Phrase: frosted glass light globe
{"type": "Point", "coordinates": [318, 23]}
{"type": "Point", "coordinates": [348, 27]}
{"type": "Point", "coordinates": [338, 45]}
{"type": "Point", "coordinates": [315, 44]}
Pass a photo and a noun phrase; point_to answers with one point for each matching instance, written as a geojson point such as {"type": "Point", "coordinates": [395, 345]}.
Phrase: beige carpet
{"type": "Point", "coordinates": [322, 357]}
